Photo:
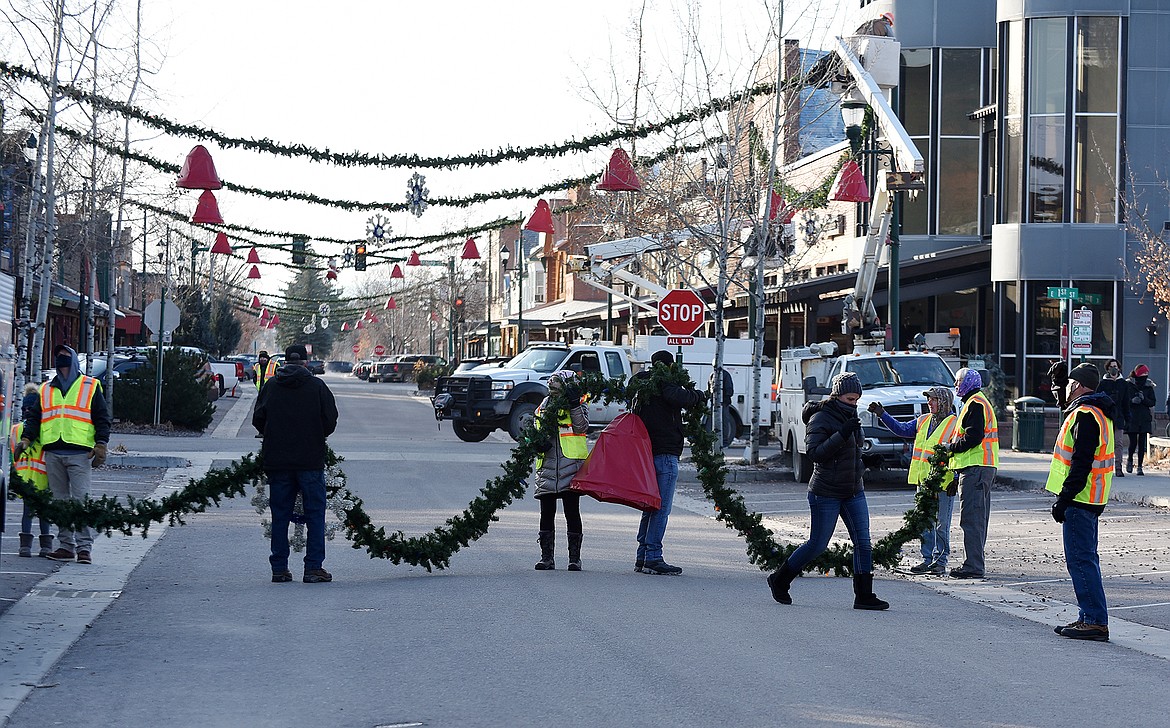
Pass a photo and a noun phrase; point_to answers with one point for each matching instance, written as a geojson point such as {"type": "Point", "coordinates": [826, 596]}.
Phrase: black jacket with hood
{"type": "Point", "coordinates": [294, 412]}
{"type": "Point", "coordinates": [1086, 434]}
{"type": "Point", "coordinates": [837, 466]}
{"type": "Point", "coordinates": [663, 418]}
{"type": "Point", "coordinates": [99, 412]}
{"type": "Point", "coordinates": [1140, 392]}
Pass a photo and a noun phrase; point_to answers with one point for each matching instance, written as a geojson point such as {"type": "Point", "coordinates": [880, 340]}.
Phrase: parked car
{"type": "Point", "coordinates": [316, 366]}
{"type": "Point", "coordinates": [403, 370]}
{"type": "Point", "coordinates": [361, 370]}
{"type": "Point", "coordinates": [339, 366]}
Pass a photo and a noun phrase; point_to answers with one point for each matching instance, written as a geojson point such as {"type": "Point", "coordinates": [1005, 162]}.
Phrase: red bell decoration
{"type": "Point", "coordinates": [272, 324]}
{"type": "Point", "coordinates": [253, 256]}
{"type": "Point", "coordinates": [413, 259]}
{"type": "Point", "coordinates": [620, 469]}
{"type": "Point", "coordinates": [470, 252]}
{"type": "Point", "coordinates": [781, 209]}
{"type": "Point", "coordinates": [222, 246]}
{"type": "Point", "coordinates": [256, 301]}
{"type": "Point", "coordinates": [541, 220]}
{"type": "Point", "coordinates": [390, 305]}
{"type": "Point", "coordinates": [254, 273]}
{"type": "Point", "coordinates": [198, 171]}
{"type": "Point", "coordinates": [207, 211]}
{"type": "Point", "coordinates": [264, 314]}
{"type": "Point", "coordinates": [372, 319]}
{"type": "Point", "coordinates": [359, 325]}
{"type": "Point", "coordinates": [275, 321]}
{"type": "Point", "coordinates": [331, 275]}
{"type": "Point", "coordinates": [396, 272]}
{"type": "Point", "coordinates": [619, 175]}
{"type": "Point", "coordinates": [345, 327]}
{"type": "Point", "coordinates": [850, 184]}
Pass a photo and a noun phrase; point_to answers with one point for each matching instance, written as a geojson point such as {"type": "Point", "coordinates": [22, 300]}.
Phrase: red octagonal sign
{"type": "Point", "coordinates": [379, 350]}
{"type": "Point", "coordinates": [681, 312]}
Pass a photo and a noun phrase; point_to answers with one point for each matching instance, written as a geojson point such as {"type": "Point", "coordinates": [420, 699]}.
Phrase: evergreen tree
{"type": "Point", "coordinates": [194, 320]}
{"type": "Point", "coordinates": [226, 330]}
{"type": "Point", "coordinates": [303, 295]}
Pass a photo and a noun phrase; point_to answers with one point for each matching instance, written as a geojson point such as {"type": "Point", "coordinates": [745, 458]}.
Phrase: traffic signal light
{"type": "Point", "coordinates": [359, 257]}
{"type": "Point", "coordinates": [459, 303]}
{"type": "Point", "coordinates": [299, 243]}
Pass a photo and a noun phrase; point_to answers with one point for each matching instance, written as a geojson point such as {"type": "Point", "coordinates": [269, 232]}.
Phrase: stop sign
{"type": "Point", "coordinates": [356, 348]}
{"type": "Point", "coordinates": [681, 312]}
{"type": "Point", "coordinates": [379, 350]}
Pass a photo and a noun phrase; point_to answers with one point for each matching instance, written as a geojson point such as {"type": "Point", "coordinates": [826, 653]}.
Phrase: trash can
{"type": "Point", "coordinates": [1028, 425]}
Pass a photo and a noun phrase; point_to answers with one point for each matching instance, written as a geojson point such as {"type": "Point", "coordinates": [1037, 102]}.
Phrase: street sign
{"type": "Point", "coordinates": [168, 312]}
{"type": "Point", "coordinates": [680, 341]}
{"type": "Point", "coordinates": [681, 312]}
{"type": "Point", "coordinates": [1063, 292]}
{"type": "Point", "coordinates": [1082, 332]}
{"type": "Point", "coordinates": [166, 338]}
{"type": "Point", "coordinates": [356, 348]}
{"type": "Point", "coordinates": [1093, 299]}
{"type": "Point", "coordinates": [379, 350]}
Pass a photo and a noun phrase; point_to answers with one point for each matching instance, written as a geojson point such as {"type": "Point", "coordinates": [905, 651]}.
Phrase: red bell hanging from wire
{"type": "Point", "coordinates": [849, 186]}
{"type": "Point", "coordinates": [396, 272]}
{"type": "Point", "coordinates": [264, 315]}
{"type": "Point", "coordinates": [470, 252]}
{"type": "Point", "coordinates": [275, 321]}
{"type": "Point", "coordinates": [345, 326]}
{"type": "Point", "coordinates": [331, 275]}
{"type": "Point", "coordinates": [222, 246]}
{"type": "Point", "coordinates": [256, 301]}
{"type": "Point", "coordinates": [359, 325]}
{"type": "Point", "coordinates": [619, 175]}
{"type": "Point", "coordinates": [198, 171]}
{"type": "Point", "coordinates": [207, 211]}
{"type": "Point", "coordinates": [780, 209]}
{"type": "Point", "coordinates": [413, 259]}
{"type": "Point", "coordinates": [390, 305]}
{"type": "Point", "coordinates": [541, 220]}
{"type": "Point", "coordinates": [254, 273]}
{"type": "Point", "coordinates": [253, 256]}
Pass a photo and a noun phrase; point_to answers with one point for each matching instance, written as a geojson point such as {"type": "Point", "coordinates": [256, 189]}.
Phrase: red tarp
{"type": "Point", "coordinates": [620, 469]}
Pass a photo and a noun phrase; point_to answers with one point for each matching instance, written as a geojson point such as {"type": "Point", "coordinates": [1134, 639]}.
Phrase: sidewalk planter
{"type": "Point", "coordinates": [1028, 425]}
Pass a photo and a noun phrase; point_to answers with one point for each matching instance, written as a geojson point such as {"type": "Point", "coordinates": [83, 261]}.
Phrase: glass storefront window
{"type": "Point", "coordinates": [915, 212]}
{"type": "Point", "coordinates": [958, 179]}
{"type": "Point", "coordinates": [960, 310]}
{"type": "Point", "coordinates": [959, 90]}
{"type": "Point", "coordinates": [1036, 375]}
{"type": "Point", "coordinates": [1048, 66]}
{"type": "Point", "coordinates": [1098, 43]}
{"type": "Point", "coordinates": [1012, 168]}
{"type": "Point", "coordinates": [1045, 315]}
{"type": "Point", "coordinates": [1009, 314]}
{"type": "Point", "coordinates": [915, 92]}
{"type": "Point", "coordinates": [1046, 169]}
{"type": "Point", "coordinates": [1096, 175]}
{"type": "Point", "coordinates": [1097, 296]}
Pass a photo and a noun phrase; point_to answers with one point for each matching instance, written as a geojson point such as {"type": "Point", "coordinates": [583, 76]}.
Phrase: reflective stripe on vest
{"type": "Point", "coordinates": [31, 463]}
{"type": "Point", "coordinates": [1100, 480]}
{"type": "Point", "coordinates": [987, 452]}
{"type": "Point", "coordinates": [269, 370]}
{"type": "Point", "coordinates": [69, 418]}
{"type": "Point", "coordinates": [573, 446]}
{"type": "Point", "coordinates": [924, 445]}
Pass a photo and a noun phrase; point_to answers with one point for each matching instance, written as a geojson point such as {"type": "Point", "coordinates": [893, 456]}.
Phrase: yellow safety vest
{"type": "Point", "coordinates": [31, 463]}
{"type": "Point", "coordinates": [269, 370]}
{"type": "Point", "coordinates": [573, 446]}
{"type": "Point", "coordinates": [987, 453]}
{"type": "Point", "coordinates": [69, 418]}
{"type": "Point", "coordinates": [924, 445]}
{"type": "Point", "coordinates": [1096, 490]}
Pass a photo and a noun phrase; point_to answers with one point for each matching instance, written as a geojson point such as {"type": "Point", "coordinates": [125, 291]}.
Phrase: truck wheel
{"type": "Point", "coordinates": [801, 465]}
{"type": "Point", "coordinates": [522, 415]}
{"type": "Point", "coordinates": [470, 434]}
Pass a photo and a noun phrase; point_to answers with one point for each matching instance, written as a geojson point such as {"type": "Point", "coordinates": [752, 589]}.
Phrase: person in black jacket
{"type": "Point", "coordinates": [662, 416]}
{"type": "Point", "coordinates": [1139, 424]}
{"type": "Point", "coordinates": [294, 413]}
{"type": "Point", "coordinates": [1114, 387]}
{"type": "Point", "coordinates": [833, 441]}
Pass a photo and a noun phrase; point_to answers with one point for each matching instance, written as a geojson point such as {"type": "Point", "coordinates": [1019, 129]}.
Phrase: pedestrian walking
{"type": "Point", "coordinates": [1139, 423]}
{"type": "Point", "coordinates": [295, 413]}
{"type": "Point", "coordinates": [30, 466]}
{"type": "Point", "coordinates": [263, 370]}
{"type": "Point", "coordinates": [70, 420]}
{"type": "Point", "coordinates": [1114, 385]}
{"type": "Point", "coordinates": [974, 452]}
{"type": "Point", "coordinates": [662, 415]}
{"type": "Point", "coordinates": [928, 431]}
{"type": "Point", "coordinates": [725, 402]}
{"type": "Point", "coordinates": [1081, 475]}
{"type": "Point", "coordinates": [833, 441]}
{"type": "Point", "coordinates": [555, 469]}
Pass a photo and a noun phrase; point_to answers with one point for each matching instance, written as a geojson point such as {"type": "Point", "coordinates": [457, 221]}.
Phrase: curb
{"type": "Point", "coordinates": [147, 461]}
{"type": "Point", "coordinates": [1138, 499]}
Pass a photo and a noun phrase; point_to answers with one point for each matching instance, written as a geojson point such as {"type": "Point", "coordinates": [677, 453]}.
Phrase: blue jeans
{"type": "Point", "coordinates": [854, 512]}
{"type": "Point", "coordinates": [1080, 555]}
{"type": "Point", "coordinates": [283, 486]}
{"type": "Point", "coordinates": [653, 525]}
{"type": "Point", "coordinates": [936, 541]}
{"type": "Point", "coordinates": [26, 519]}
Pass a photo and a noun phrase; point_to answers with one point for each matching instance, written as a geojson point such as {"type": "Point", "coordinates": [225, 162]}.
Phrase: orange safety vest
{"type": "Point", "coordinates": [987, 453]}
{"type": "Point", "coordinates": [1096, 490]}
{"type": "Point", "coordinates": [924, 445]}
{"type": "Point", "coordinates": [31, 463]}
{"type": "Point", "coordinates": [69, 417]}
{"type": "Point", "coordinates": [269, 370]}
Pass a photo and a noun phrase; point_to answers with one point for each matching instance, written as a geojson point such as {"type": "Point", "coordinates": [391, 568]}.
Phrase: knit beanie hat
{"type": "Point", "coordinates": [662, 357]}
{"type": "Point", "coordinates": [1087, 375]}
{"type": "Point", "coordinates": [967, 381]}
{"type": "Point", "coordinates": [845, 383]}
{"type": "Point", "coordinates": [262, 355]}
{"type": "Point", "coordinates": [1141, 370]}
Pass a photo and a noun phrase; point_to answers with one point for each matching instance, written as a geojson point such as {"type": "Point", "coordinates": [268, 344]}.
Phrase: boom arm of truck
{"type": "Point", "coordinates": [906, 174]}
{"type": "Point", "coordinates": [604, 262]}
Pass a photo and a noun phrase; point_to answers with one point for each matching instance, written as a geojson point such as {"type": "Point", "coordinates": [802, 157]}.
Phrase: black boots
{"type": "Point", "coordinates": [779, 581]}
{"type": "Point", "coordinates": [575, 551]}
{"type": "Point", "coordinates": [25, 545]}
{"type": "Point", "coordinates": [547, 540]}
{"type": "Point", "coordinates": [863, 596]}
{"type": "Point", "coordinates": [46, 545]}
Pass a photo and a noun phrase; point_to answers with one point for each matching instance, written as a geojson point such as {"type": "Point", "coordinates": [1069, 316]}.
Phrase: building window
{"type": "Point", "coordinates": [1097, 100]}
{"type": "Point", "coordinates": [916, 94]}
{"type": "Point", "coordinates": [1013, 122]}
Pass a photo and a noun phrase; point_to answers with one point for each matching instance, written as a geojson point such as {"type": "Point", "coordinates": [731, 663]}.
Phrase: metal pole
{"type": "Point", "coordinates": [162, 307]}
{"type": "Point", "coordinates": [895, 317]}
{"type": "Point", "coordinates": [451, 308]}
{"type": "Point", "coordinates": [488, 304]}
{"type": "Point", "coordinates": [520, 305]}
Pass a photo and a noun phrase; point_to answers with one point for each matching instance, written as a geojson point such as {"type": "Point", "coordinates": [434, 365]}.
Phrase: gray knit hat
{"type": "Point", "coordinates": [846, 383]}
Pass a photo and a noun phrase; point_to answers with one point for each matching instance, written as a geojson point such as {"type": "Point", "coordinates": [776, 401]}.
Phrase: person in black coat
{"type": "Point", "coordinates": [1114, 386]}
{"type": "Point", "coordinates": [833, 441]}
{"type": "Point", "coordinates": [294, 413]}
{"type": "Point", "coordinates": [1140, 422]}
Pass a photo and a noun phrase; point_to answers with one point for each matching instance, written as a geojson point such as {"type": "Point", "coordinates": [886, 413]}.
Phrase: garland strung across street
{"type": "Point", "coordinates": [435, 549]}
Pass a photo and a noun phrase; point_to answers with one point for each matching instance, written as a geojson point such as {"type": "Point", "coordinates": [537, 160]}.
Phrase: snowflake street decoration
{"type": "Point", "coordinates": [335, 503]}
{"type": "Point", "coordinates": [323, 309]}
{"type": "Point", "coordinates": [377, 227]}
{"type": "Point", "coordinates": [416, 194]}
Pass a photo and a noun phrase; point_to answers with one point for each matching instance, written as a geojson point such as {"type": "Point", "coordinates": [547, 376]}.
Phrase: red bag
{"type": "Point", "coordinates": [620, 469]}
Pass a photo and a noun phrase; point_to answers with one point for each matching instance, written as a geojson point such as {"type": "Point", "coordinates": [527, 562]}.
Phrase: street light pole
{"type": "Point", "coordinates": [487, 349]}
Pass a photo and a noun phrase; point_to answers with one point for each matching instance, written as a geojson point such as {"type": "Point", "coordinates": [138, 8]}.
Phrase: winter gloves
{"type": "Point", "coordinates": [99, 455]}
{"type": "Point", "coordinates": [21, 446]}
{"type": "Point", "coordinates": [877, 408]}
{"type": "Point", "coordinates": [1058, 509]}
{"type": "Point", "coordinates": [851, 425]}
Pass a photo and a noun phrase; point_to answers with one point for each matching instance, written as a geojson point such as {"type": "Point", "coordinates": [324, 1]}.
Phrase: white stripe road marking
{"type": "Point", "coordinates": [1104, 576]}
{"type": "Point", "coordinates": [1141, 606]}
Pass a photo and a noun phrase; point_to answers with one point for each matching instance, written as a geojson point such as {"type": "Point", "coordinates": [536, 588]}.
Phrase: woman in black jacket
{"type": "Point", "coordinates": [1113, 385]}
{"type": "Point", "coordinates": [833, 441]}
{"type": "Point", "coordinates": [1140, 423]}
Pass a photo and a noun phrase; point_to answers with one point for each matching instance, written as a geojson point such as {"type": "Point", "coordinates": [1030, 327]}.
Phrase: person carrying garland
{"type": "Point", "coordinates": [928, 431]}
{"type": "Point", "coordinates": [974, 453]}
{"type": "Point", "coordinates": [833, 441]}
{"type": "Point", "coordinates": [30, 466]}
{"type": "Point", "coordinates": [1081, 475]}
{"type": "Point", "coordinates": [555, 469]}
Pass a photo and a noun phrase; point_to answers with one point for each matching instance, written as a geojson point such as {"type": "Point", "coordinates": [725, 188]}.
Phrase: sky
{"type": "Point", "coordinates": [436, 78]}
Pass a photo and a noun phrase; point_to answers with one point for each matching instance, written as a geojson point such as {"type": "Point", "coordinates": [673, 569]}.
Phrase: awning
{"type": "Point", "coordinates": [130, 323]}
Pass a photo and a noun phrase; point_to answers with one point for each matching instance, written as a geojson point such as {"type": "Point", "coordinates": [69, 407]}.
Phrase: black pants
{"type": "Point", "coordinates": [1137, 441]}
{"type": "Point", "coordinates": [572, 508]}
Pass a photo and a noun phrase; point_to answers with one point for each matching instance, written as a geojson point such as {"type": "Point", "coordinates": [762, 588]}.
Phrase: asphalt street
{"type": "Point", "coordinates": [185, 629]}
